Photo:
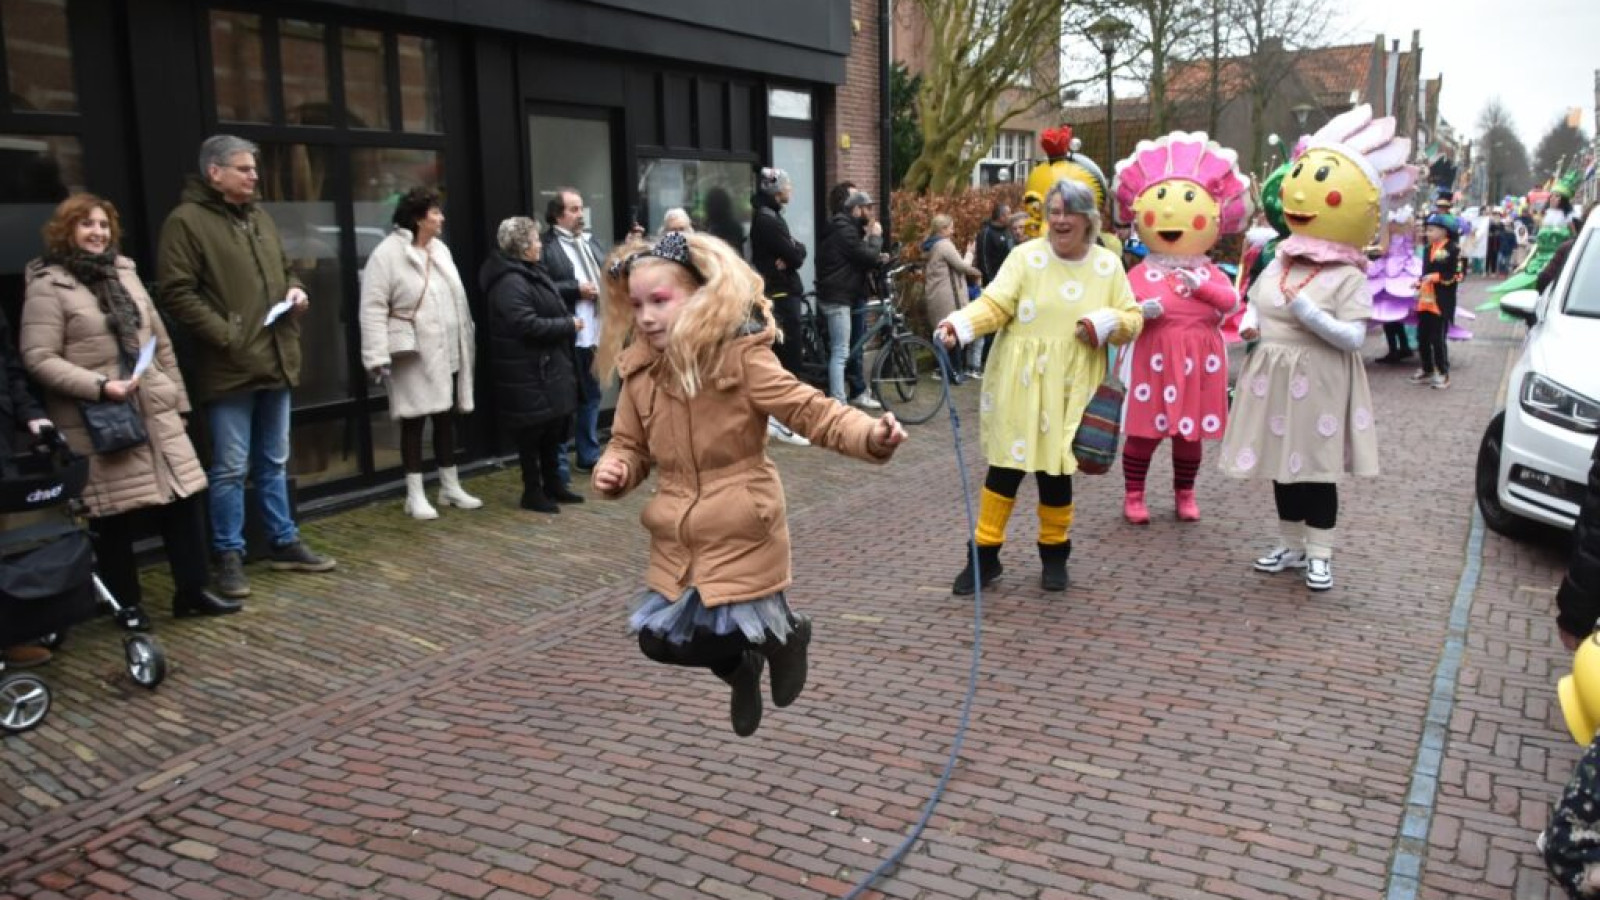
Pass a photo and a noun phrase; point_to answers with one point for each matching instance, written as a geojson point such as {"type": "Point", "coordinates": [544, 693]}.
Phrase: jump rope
{"type": "Point", "coordinates": [899, 853]}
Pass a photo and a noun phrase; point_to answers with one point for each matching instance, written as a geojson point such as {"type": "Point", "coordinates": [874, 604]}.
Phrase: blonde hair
{"type": "Point", "coordinates": [712, 316]}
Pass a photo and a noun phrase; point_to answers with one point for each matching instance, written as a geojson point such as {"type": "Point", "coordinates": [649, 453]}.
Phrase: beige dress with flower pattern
{"type": "Point", "coordinates": [1302, 410]}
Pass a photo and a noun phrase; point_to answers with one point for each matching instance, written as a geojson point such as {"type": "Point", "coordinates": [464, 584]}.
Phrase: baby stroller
{"type": "Point", "coordinates": [47, 580]}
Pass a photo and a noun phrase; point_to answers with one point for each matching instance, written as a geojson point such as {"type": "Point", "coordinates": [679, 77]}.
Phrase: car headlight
{"type": "Point", "coordinates": [1544, 399]}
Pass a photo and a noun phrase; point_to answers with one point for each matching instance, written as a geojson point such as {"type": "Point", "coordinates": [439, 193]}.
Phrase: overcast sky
{"type": "Point", "coordinates": [1538, 56]}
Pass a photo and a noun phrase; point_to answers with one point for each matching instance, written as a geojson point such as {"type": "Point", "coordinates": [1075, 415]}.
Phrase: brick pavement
{"type": "Point", "coordinates": [456, 712]}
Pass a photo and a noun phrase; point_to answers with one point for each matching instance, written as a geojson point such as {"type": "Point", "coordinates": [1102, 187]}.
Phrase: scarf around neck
{"type": "Point", "coordinates": [98, 273]}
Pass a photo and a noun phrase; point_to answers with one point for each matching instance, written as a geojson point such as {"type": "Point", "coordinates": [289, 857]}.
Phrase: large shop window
{"type": "Point", "coordinates": [573, 152]}
{"type": "Point", "coordinates": [715, 194]}
{"type": "Point", "coordinates": [374, 100]}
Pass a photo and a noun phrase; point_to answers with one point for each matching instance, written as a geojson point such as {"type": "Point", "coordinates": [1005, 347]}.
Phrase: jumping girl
{"type": "Point", "coordinates": [689, 331]}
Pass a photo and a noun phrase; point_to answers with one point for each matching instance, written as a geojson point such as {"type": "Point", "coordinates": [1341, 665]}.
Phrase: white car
{"type": "Point", "coordinates": [1533, 463]}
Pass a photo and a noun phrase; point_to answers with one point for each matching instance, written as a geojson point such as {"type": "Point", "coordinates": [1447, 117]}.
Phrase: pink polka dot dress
{"type": "Point", "coordinates": [1302, 410]}
{"type": "Point", "coordinates": [1177, 371]}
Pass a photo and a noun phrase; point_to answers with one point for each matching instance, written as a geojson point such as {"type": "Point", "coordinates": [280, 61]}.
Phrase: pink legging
{"type": "Point", "coordinates": [1136, 453]}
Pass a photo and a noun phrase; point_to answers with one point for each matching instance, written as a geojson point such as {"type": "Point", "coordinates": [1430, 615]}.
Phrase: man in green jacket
{"type": "Point", "coordinates": [223, 274]}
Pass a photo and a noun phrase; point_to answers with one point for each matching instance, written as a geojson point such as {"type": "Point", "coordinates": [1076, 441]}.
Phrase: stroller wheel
{"type": "Point", "coordinates": [147, 664]}
{"type": "Point", "coordinates": [24, 701]}
{"type": "Point", "coordinates": [54, 640]}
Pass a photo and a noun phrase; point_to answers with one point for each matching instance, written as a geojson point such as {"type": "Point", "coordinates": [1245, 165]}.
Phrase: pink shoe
{"type": "Point", "coordinates": [1133, 508]}
{"type": "Point", "coordinates": [1188, 509]}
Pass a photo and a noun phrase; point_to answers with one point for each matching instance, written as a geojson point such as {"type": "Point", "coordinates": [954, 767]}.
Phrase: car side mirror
{"type": "Point", "coordinates": [1522, 305]}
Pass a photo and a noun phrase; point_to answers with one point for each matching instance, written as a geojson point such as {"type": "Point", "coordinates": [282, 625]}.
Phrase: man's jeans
{"type": "Point", "coordinates": [586, 428]}
{"type": "Point", "coordinates": [250, 436]}
{"type": "Point", "coordinates": [844, 325]}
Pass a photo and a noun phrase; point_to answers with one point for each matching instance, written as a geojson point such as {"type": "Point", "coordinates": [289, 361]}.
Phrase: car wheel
{"type": "Point", "coordinates": [1499, 519]}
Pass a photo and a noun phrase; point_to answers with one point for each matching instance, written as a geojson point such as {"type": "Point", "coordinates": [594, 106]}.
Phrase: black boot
{"type": "Point", "coordinates": [988, 562]}
{"type": "Point", "coordinates": [789, 661]}
{"type": "Point", "coordinates": [202, 602]}
{"type": "Point", "coordinates": [1053, 558]}
{"type": "Point", "coordinates": [533, 492]}
{"type": "Point", "coordinates": [561, 493]}
{"type": "Point", "coordinates": [744, 707]}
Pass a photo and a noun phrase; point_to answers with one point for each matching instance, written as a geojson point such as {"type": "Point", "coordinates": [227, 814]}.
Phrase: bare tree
{"type": "Point", "coordinates": [1559, 149]}
{"type": "Point", "coordinates": [987, 62]}
{"type": "Point", "coordinates": [1163, 32]}
{"type": "Point", "coordinates": [1505, 156]}
{"type": "Point", "coordinates": [1270, 34]}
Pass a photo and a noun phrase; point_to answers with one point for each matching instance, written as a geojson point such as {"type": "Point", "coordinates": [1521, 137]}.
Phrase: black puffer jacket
{"type": "Point", "coordinates": [18, 404]}
{"type": "Point", "coordinates": [1579, 598]}
{"type": "Point", "coordinates": [845, 259]}
{"type": "Point", "coordinates": [531, 336]}
{"type": "Point", "coordinates": [770, 241]}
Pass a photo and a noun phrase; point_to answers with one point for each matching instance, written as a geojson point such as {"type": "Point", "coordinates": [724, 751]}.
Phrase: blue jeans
{"type": "Point", "coordinates": [250, 436]}
{"type": "Point", "coordinates": [586, 428]}
{"type": "Point", "coordinates": [844, 367]}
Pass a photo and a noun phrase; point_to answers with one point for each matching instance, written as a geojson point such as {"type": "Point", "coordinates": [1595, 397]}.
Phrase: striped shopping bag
{"type": "Point", "coordinates": [1095, 444]}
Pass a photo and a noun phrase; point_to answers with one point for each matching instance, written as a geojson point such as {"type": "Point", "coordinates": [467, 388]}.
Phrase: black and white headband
{"type": "Point", "coordinates": [672, 247]}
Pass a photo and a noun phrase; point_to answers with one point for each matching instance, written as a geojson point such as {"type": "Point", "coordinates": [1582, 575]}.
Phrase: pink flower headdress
{"type": "Point", "coordinates": [1371, 144]}
{"type": "Point", "coordinates": [1190, 157]}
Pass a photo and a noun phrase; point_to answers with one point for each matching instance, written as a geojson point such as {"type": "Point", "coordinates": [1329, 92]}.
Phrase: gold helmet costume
{"type": "Point", "coordinates": [1064, 162]}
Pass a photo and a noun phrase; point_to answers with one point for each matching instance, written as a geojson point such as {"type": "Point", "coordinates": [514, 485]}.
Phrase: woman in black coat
{"type": "Point", "coordinates": [531, 337]}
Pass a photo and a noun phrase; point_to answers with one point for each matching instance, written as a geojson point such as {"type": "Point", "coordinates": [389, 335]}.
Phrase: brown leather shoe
{"type": "Point", "coordinates": [26, 656]}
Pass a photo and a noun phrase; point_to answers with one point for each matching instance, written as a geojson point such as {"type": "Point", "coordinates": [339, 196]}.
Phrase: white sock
{"type": "Point", "coordinates": [1319, 543]}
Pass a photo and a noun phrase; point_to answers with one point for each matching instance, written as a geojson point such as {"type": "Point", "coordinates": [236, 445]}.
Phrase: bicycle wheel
{"type": "Point", "coordinates": [905, 378]}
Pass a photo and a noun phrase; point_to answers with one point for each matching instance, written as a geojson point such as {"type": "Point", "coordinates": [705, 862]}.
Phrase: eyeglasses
{"type": "Point", "coordinates": [244, 170]}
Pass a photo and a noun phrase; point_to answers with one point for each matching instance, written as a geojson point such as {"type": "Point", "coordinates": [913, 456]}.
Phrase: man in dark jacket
{"type": "Point", "coordinates": [850, 251]}
{"type": "Point", "coordinates": [778, 257]}
{"type": "Point", "coordinates": [573, 258]}
{"type": "Point", "coordinates": [223, 274]}
{"type": "Point", "coordinates": [994, 242]}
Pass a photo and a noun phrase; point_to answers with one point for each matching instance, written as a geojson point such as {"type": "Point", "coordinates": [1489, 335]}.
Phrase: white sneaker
{"type": "Point", "coordinates": [865, 400]}
{"type": "Point", "coordinates": [1280, 559]}
{"type": "Point", "coordinates": [1440, 382]}
{"type": "Point", "coordinates": [782, 432]}
{"type": "Point", "coordinates": [1319, 574]}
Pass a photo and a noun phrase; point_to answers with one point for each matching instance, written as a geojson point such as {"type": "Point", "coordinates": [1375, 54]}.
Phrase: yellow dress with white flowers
{"type": "Point", "coordinates": [1040, 377]}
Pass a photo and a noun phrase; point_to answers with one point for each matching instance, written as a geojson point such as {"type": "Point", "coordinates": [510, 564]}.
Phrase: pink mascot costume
{"type": "Point", "coordinates": [1181, 192]}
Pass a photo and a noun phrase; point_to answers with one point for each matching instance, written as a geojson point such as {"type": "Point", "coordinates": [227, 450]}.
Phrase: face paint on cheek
{"type": "Point", "coordinates": [1149, 218]}
{"type": "Point", "coordinates": [1335, 198]}
{"type": "Point", "coordinates": [1200, 223]}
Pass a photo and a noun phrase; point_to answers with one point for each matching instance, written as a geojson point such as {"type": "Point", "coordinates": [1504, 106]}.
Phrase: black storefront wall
{"type": "Point", "coordinates": [149, 99]}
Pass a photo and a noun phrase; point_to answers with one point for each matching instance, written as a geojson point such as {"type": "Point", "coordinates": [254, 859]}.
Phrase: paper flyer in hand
{"type": "Point", "coordinates": [277, 311]}
{"type": "Point", "coordinates": [147, 354]}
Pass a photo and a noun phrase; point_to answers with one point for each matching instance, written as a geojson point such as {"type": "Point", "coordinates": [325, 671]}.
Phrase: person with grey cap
{"type": "Point", "coordinates": [850, 250]}
{"type": "Point", "coordinates": [778, 257]}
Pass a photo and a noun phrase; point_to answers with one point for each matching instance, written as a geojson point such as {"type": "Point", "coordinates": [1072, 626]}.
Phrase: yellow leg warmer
{"type": "Point", "coordinates": [1055, 524]}
{"type": "Point", "coordinates": [994, 511]}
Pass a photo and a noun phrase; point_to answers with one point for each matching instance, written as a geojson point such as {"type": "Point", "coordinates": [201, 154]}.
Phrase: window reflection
{"type": "Point", "coordinates": [36, 173]}
{"type": "Point", "coordinates": [716, 195]}
{"type": "Point", "coordinates": [237, 68]}
{"type": "Point", "coordinates": [420, 105]}
{"type": "Point", "coordinates": [380, 176]}
{"type": "Point", "coordinates": [297, 193]}
{"type": "Point", "coordinates": [366, 83]}
{"type": "Point", "coordinates": [324, 451]}
{"type": "Point", "coordinates": [305, 72]}
{"type": "Point", "coordinates": [38, 55]}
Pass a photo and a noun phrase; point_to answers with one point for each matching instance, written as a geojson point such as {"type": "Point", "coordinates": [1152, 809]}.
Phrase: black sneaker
{"type": "Point", "coordinates": [229, 578]}
{"type": "Point", "coordinates": [297, 557]}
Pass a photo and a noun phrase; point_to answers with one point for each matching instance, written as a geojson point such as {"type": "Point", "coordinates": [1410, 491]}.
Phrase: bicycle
{"type": "Point", "coordinates": [813, 342]}
{"type": "Point", "coordinates": [906, 377]}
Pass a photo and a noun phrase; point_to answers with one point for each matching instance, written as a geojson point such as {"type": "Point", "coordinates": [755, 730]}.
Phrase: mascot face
{"type": "Point", "coordinates": [1326, 196]}
{"type": "Point", "coordinates": [1177, 218]}
{"type": "Point", "coordinates": [1580, 692]}
{"type": "Point", "coordinates": [1044, 177]}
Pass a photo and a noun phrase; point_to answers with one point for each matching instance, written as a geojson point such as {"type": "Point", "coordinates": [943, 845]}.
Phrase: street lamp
{"type": "Point", "coordinates": [1106, 32]}
{"type": "Point", "coordinates": [1302, 112]}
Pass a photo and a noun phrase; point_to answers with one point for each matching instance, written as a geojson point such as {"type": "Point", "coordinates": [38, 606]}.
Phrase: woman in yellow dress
{"type": "Point", "coordinates": [1056, 303]}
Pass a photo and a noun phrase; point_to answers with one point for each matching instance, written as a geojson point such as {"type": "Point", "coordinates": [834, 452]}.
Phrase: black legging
{"type": "Point", "coordinates": [721, 653]}
{"type": "Point", "coordinates": [1315, 503]}
{"type": "Point", "coordinates": [1054, 490]}
{"type": "Point", "coordinates": [444, 441]}
{"type": "Point", "coordinates": [539, 455]}
{"type": "Point", "coordinates": [182, 524]}
{"type": "Point", "coordinates": [786, 310]}
{"type": "Point", "coordinates": [1433, 332]}
{"type": "Point", "coordinates": [1395, 334]}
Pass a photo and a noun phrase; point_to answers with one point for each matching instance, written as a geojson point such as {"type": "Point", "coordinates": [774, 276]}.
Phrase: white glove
{"type": "Point", "coordinates": [1151, 308]}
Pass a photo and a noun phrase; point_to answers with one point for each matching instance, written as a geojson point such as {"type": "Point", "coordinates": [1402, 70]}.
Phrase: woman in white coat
{"type": "Point", "coordinates": [417, 334]}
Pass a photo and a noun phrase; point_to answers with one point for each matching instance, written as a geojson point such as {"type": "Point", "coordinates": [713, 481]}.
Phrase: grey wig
{"type": "Point", "coordinates": [1079, 200]}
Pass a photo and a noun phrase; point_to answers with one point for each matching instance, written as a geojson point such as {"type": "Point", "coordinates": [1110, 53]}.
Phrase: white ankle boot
{"type": "Point", "coordinates": [417, 506]}
{"type": "Point", "coordinates": [450, 492]}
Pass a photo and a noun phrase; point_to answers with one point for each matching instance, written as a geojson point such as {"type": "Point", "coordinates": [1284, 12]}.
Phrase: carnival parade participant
{"type": "Point", "coordinates": [690, 332]}
{"type": "Point", "coordinates": [1056, 304]}
{"type": "Point", "coordinates": [1555, 228]}
{"type": "Point", "coordinates": [1181, 192]}
{"type": "Point", "coordinates": [1436, 302]}
{"type": "Point", "coordinates": [1302, 414]}
{"type": "Point", "coordinates": [1392, 279]}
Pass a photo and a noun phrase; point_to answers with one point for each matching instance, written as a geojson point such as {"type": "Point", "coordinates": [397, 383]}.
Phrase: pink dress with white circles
{"type": "Point", "coordinates": [1177, 371]}
{"type": "Point", "coordinates": [1302, 410]}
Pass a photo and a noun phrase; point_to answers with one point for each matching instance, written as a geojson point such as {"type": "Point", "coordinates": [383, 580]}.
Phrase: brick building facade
{"type": "Point", "coordinates": [857, 110]}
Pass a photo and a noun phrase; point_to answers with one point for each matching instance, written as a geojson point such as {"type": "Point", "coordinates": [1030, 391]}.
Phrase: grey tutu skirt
{"type": "Point", "coordinates": [680, 621]}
